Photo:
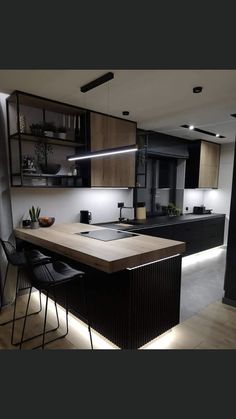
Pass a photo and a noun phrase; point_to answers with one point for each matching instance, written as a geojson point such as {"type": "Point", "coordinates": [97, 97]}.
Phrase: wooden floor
{"type": "Point", "coordinates": [213, 327]}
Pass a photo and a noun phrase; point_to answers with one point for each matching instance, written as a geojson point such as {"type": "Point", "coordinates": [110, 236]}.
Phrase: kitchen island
{"type": "Point", "coordinates": [133, 283]}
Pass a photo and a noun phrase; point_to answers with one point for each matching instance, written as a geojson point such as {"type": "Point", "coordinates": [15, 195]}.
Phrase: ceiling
{"type": "Point", "coordinates": [160, 100]}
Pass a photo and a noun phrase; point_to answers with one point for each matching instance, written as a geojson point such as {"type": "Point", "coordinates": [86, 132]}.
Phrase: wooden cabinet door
{"type": "Point", "coordinates": [209, 165]}
{"type": "Point", "coordinates": [109, 132]}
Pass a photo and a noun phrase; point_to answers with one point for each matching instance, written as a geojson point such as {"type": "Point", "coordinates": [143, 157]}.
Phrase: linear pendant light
{"type": "Point", "coordinates": [106, 152]}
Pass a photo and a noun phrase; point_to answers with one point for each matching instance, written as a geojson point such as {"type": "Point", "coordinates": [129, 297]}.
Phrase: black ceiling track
{"type": "Point", "coordinates": [233, 114]}
{"type": "Point", "coordinates": [203, 131]}
{"type": "Point", "coordinates": [97, 82]}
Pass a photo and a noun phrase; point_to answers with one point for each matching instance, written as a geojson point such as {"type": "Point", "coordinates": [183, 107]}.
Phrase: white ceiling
{"type": "Point", "coordinates": [160, 100]}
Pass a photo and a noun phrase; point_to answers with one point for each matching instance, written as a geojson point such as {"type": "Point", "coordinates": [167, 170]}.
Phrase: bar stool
{"type": "Point", "coordinates": [46, 278]}
{"type": "Point", "coordinates": [19, 260]}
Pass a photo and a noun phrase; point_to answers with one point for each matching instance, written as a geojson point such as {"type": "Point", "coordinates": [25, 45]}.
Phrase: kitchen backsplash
{"type": "Point", "coordinates": [65, 204]}
{"type": "Point", "coordinates": [192, 197]}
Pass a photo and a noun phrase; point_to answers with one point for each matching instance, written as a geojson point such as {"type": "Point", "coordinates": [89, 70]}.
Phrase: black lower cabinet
{"type": "Point", "coordinates": [198, 235]}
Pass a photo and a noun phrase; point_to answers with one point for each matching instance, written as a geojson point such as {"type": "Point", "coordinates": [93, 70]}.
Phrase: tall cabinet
{"type": "Point", "coordinates": [202, 166]}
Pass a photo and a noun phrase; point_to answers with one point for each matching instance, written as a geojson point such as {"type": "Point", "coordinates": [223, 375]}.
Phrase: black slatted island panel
{"type": "Point", "coordinates": [130, 307]}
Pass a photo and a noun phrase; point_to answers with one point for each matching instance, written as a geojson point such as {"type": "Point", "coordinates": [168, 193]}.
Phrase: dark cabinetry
{"type": "Point", "coordinates": [202, 166]}
{"type": "Point", "coordinates": [198, 235]}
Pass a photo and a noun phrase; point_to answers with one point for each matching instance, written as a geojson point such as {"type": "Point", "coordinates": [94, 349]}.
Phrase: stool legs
{"type": "Point", "coordinates": [14, 312]}
{"type": "Point", "coordinates": [45, 322]}
{"type": "Point", "coordinates": [26, 313]}
{"type": "Point", "coordinates": [4, 285]}
{"type": "Point", "coordinates": [87, 312]}
{"type": "Point", "coordinates": [44, 327]}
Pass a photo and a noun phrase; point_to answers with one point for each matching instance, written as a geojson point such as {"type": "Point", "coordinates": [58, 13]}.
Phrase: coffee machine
{"type": "Point", "coordinates": [85, 217]}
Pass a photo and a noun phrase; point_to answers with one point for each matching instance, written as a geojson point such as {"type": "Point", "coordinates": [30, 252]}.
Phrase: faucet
{"type": "Point", "coordinates": [121, 206]}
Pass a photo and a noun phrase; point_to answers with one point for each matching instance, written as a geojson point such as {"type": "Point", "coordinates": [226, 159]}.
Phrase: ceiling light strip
{"type": "Point", "coordinates": [202, 131]}
{"type": "Point", "coordinates": [104, 153]}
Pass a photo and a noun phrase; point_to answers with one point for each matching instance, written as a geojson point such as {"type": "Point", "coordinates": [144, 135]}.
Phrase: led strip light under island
{"type": "Point", "coordinates": [133, 283]}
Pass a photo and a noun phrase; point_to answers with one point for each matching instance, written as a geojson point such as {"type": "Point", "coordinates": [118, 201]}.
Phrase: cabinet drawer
{"type": "Point", "coordinates": [187, 231]}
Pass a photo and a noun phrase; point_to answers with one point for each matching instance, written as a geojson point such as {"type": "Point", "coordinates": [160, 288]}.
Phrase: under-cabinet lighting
{"type": "Point", "coordinates": [201, 256]}
{"type": "Point", "coordinates": [107, 152]}
{"type": "Point", "coordinates": [78, 330]}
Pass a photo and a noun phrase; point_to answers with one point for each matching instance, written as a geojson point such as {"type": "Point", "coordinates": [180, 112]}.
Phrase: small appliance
{"type": "Point", "coordinates": [85, 217]}
{"type": "Point", "coordinates": [201, 210]}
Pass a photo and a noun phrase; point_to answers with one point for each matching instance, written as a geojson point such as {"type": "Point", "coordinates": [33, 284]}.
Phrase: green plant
{"type": "Point", "coordinates": [62, 129]}
{"type": "Point", "coordinates": [49, 126]}
{"type": "Point", "coordinates": [42, 150]}
{"type": "Point", "coordinates": [34, 214]}
{"type": "Point", "coordinates": [173, 210]}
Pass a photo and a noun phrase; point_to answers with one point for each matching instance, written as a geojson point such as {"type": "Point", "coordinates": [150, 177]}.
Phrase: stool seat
{"type": "Point", "coordinates": [35, 256]}
{"type": "Point", "coordinates": [55, 273]}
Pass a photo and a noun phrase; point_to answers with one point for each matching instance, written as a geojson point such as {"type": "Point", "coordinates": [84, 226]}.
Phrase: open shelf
{"type": "Point", "coordinates": [45, 139]}
{"type": "Point", "coordinates": [33, 101]}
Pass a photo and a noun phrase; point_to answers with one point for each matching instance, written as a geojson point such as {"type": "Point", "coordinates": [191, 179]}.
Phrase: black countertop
{"type": "Point", "coordinates": [158, 221]}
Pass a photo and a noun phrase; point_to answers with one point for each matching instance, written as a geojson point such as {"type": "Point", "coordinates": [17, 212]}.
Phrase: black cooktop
{"type": "Point", "coordinates": [107, 234]}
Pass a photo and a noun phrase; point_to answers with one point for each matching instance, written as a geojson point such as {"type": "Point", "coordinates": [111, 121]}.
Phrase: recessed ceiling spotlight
{"type": "Point", "coordinates": [125, 113]}
{"type": "Point", "coordinates": [191, 127]}
{"type": "Point", "coordinates": [197, 89]}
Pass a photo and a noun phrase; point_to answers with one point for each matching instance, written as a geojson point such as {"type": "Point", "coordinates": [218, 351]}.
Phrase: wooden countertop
{"type": "Point", "coordinates": [110, 256]}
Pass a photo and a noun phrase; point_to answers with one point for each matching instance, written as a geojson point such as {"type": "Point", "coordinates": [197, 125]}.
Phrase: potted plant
{"type": "Point", "coordinates": [34, 217]}
{"type": "Point", "coordinates": [42, 151]}
{"type": "Point", "coordinates": [37, 129]}
{"type": "Point", "coordinates": [61, 132]}
{"type": "Point", "coordinates": [49, 129]}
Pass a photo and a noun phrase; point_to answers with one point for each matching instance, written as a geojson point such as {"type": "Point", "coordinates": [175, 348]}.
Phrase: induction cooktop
{"type": "Point", "coordinates": [106, 234]}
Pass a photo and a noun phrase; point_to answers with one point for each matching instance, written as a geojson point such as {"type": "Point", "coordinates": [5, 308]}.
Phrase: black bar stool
{"type": "Point", "coordinates": [46, 278]}
{"type": "Point", "coordinates": [19, 260]}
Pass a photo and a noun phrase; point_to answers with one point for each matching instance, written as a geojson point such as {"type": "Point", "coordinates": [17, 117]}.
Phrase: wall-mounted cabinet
{"type": "Point", "coordinates": [43, 132]}
{"type": "Point", "coordinates": [202, 166]}
{"type": "Point", "coordinates": [109, 132]}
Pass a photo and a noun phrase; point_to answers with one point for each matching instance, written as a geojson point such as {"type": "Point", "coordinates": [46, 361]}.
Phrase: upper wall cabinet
{"type": "Point", "coordinates": [109, 132]}
{"type": "Point", "coordinates": [202, 167]}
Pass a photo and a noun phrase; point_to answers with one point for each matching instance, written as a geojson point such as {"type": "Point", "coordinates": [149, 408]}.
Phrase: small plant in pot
{"type": "Point", "coordinates": [42, 151]}
{"type": "Point", "coordinates": [49, 129]}
{"type": "Point", "coordinates": [37, 129]}
{"type": "Point", "coordinates": [61, 133]}
{"type": "Point", "coordinates": [34, 217]}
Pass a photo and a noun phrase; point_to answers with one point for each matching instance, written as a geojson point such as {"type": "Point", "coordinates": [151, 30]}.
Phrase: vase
{"type": "Point", "coordinates": [34, 225]}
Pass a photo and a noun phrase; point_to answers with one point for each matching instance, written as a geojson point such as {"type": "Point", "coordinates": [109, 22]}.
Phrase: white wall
{"type": "Point", "coordinates": [192, 197]}
{"type": "Point", "coordinates": [65, 204]}
{"type": "Point", "coordinates": [216, 199]}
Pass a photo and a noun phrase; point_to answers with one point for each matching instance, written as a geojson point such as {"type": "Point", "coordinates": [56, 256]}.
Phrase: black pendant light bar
{"type": "Point", "coordinates": [233, 114]}
{"type": "Point", "coordinates": [202, 131]}
{"type": "Point", "coordinates": [97, 82]}
{"type": "Point", "coordinates": [104, 153]}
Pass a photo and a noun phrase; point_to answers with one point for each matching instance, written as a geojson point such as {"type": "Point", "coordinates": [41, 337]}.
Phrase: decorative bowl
{"type": "Point", "coordinates": [46, 221]}
{"type": "Point", "coordinates": [50, 168]}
